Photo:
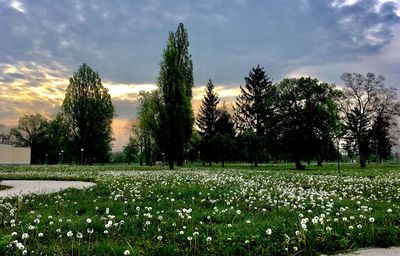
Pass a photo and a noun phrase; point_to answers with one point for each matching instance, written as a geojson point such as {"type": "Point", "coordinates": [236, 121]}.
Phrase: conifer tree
{"type": "Point", "coordinates": [253, 105]}
{"type": "Point", "coordinates": [207, 118]}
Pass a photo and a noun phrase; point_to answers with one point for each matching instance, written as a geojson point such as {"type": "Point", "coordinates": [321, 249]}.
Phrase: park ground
{"type": "Point", "coordinates": [239, 210]}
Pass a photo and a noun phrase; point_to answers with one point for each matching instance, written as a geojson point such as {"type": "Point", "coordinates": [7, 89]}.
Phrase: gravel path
{"type": "Point", "coordinates": [26, 187]}
{"type": "Point", "coordinates": [392, 251]}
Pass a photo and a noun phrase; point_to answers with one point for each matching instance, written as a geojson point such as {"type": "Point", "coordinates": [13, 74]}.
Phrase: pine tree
{"type": "Point", "coordinates": [253, 104]}
{"type": "Point", "coordinates": [207, 118]}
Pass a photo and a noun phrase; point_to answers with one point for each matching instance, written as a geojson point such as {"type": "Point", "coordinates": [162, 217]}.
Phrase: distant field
{"type": "Point", "coordinates": [269, 210]}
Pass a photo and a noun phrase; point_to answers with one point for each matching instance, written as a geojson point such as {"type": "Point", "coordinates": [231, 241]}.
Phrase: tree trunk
{"type": "Point", "coordinates": [299, 166]}
{"type": "Point", "coordinates": [223, 163]}
{"type": "Point", "coordinates": [171, 164]}
{"type": "Point", "coordinates": [209, 163]}
{"type": "Point", "coordinates": [179, 160]}
{"type": "Point", "coordinates": [319, 161]}
{"type": "Point", "coordinates": [362, 161]}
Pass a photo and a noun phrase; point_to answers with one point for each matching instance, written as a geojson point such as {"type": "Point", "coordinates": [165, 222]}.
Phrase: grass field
{"type": "Point", "coordinates": [269, 210]}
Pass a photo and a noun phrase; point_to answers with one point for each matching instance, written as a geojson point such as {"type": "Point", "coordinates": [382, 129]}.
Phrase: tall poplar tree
{"type": "Point", "coordinates": [207, 119]}
{"type": "Point", "coordinates": [175, 84]}
{"type": "Point", "coordinates": [89, 112]}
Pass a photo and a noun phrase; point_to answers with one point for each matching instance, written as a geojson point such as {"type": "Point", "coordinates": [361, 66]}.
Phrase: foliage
{"type": "Point", "coordinates": [89, 112]}
{"type": "Point", "coordinates": [368, 109]}
{"type": "Point", "coordinates": [308, 118]}
{"type": "Point", "coordinates": [131, 150]}
{"type": "Point", "coordinates": [254, 106]}
{"type": "Point", "coordinates": [5, 134]}
{"type": "Point", "coordinates": [175, 85]}
{"type": "Point", "coordinates": [31, 131]}
{"type": "Point", "coordinates": [206, 121]}
{"type": "Point", "coordinates": [148, 117]}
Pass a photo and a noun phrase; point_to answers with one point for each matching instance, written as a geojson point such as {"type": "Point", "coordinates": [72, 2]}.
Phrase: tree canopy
{"type": "Point", "coordinates": [89, 112]}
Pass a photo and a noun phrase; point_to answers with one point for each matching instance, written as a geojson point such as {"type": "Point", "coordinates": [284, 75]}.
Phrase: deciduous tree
{"type": "Point", "coordinates": [175, 85]}
{"type": "Point", "coordinates": [89, 113]}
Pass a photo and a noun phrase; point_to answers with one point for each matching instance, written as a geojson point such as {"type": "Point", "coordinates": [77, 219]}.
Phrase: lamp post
{"type": "Point", "coordinates": [47, 158]}
{"type": "Point", "coordinates": [163, 158]}
{"type": "Point", "coordinates": [59, 157]}
{"type": "Point", "coordinates": [198, 156]}
{"type": "Point", "coordinates": [62, 156]}
{"type": "Point", "coordinates": [82, 155]}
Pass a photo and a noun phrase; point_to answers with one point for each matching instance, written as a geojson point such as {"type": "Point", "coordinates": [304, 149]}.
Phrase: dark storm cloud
{"type": "Point", "coordinates": [43, 43]}
{"type": "Point", "coordinates": [124, 40]}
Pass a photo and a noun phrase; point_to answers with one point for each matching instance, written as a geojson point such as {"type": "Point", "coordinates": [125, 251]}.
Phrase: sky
{"type": "Point", "coordinates": [43, 42]}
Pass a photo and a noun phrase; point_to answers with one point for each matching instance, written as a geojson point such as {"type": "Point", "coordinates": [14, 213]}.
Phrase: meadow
{"type": "Point", "coordinates": [270, 210]}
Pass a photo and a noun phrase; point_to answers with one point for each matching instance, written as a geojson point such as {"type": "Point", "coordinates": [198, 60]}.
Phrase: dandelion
{"type": "Point", "coordinates": [238, 212]}
{"type": "Point", "coordinates": [20, 246]}
{"type": "Point", "coordinates": [127, 252]}
{"type": "Point", "coordinates": [79, 235]}
{"type": "Point", "coordinates": [88, 220]}
{"type": "Point", "coordinates": [208, 239]}
{"type": "Point", "coordinates": [189, 238]}
{"type": "Point", "coordinates": [40, 234]}
{"type": "Point", "coordinates": [159, 238]}
{"type": "Point", "coordinates": [372, 220]}
{"type": "Point", "coordinates": [25, 236]}
{"type": "Point", "coordinates": [389, 210]}
{"type": "Point", "coordinates": [70, 234]}
{"type": "Point", "coordinates": [268, 231]}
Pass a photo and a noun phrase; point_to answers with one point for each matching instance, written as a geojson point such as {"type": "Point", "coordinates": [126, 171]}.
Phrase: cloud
{"type": "Point", "coordinates": [42, 45]}
{"type": "Point", "coordinates": [17, 5]}
{"type": "Point", "coordinates": [386, 63]}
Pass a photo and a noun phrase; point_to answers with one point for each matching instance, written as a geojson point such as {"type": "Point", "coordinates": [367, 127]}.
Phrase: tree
{"type": "Point", "coordinates": [223, 138]}
{"type": "Point", "coordinates": [5, 135]}
{"type": "Point", "coordinates": [131, 150]}
{"type": "Point", "coordinates": [207, 119]}
{"type": "Point", "coordinates": [148, 115]}
{"type": "Point", "coordinates": [386, 108]}
{"type": "Point", "coordinates": [58, 139]}
{"type": "Point", "coordinates": [308, 117]}
{"type": "Point", "coordinates": [367, 108]}
{"type": "Point", "coordinates": [175, 84]}
{"type": "Point", "coordinates": [253, 105]}
{"type": "Point", "coordinates": [89, 113]}
{"type": "Point", "coordinates": [31, 131]}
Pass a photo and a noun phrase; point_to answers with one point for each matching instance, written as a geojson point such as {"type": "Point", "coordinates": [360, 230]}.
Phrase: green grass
{"type": "Point", "coordinates": [198, 210]}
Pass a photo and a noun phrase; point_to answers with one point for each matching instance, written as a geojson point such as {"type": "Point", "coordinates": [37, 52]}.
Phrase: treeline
{"type": "Point", "coordinates": [297, 119]}
{"type": "Point", "coordinates": [80, 133]}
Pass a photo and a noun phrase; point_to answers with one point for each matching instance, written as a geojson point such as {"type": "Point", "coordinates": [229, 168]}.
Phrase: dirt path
{"type": "Point", "coordinates": [26, 187]}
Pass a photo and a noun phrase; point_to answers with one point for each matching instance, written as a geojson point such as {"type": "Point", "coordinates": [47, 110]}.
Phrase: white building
{"type": "Point", "coordinates": [10, 155]}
